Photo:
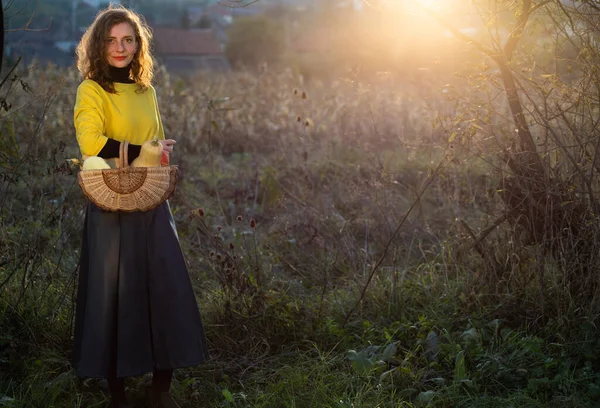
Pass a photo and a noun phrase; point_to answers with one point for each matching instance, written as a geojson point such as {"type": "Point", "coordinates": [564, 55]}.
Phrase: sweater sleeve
{"type": "Point", "coordinates": [89, 119]}
{"type": "Point", "coordinates": [161, 131]}
{"type": "Point", "coordinates": [111, 149]}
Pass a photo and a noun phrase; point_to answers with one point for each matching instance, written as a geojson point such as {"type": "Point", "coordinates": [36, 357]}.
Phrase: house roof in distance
{"type": "Point", "coordinates": [192, 41]}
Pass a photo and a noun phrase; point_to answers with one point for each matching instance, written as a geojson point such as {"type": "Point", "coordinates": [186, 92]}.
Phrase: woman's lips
{"type": "Point", "coordinates": [119, 58]}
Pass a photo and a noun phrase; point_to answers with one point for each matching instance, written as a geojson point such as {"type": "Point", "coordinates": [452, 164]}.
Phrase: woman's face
{"type": "Point", "coordinates": [120, 45]}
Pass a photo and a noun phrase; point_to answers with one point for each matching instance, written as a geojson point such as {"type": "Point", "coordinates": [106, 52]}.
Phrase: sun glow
{"type": "Point", "coordinates": [408, 35]}
{"type": "Point", "coordinates": [431, 4]}
{"type": "Point", "coordinates": [416, 4]}
{"type": "Point", "coordinates": [419, 13]}
{"type": "Point", "coordinates": [425, 14]}
{"type": "Point", "coordinates": [411, 32]}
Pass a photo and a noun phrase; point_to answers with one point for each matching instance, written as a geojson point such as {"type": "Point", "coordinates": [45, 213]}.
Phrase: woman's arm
{"type": "Point", "coordinates": [89, 125]}
{"type": "Point", "coordinates": [111, 149]}
{"type": "Point", "coordinates": [89, 119]}
{"type": "Point", "coordinates": [161, 130]}
{"type": "Point", "coordinates": [167, 144]}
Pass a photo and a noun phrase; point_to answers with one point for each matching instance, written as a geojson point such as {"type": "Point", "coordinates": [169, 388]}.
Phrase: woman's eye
{"type": "Point", "coordinates": [129, 40]}
{"type": "Point", "coordinates": [110, 41]}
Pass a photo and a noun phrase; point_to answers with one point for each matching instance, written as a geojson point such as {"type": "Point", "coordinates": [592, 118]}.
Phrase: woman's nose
{"type": "Point", "coordinates": [120, 46]}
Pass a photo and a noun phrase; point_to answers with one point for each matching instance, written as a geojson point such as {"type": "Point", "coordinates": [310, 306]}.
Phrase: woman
{"type": "Point", "coordinates": [136, 311]}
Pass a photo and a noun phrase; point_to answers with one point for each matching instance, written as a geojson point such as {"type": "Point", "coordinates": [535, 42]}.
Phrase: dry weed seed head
{"type": "Point", "coordinates": [200, 212]}
{"type": "Point", "coordinates": [212, 254]}
{"type": "Point", "coordinates": [252, 223]}
{"type": "Point", "coordinates": [304, 95]}
{"type": "Point", "coordinates": [298, 119]}
{"type": "Point", "coordinates": [239, 218]}
{"type": "Point", "coordinates": [231, 246]}
{"type": "Point", "coordinates": [296, 91]}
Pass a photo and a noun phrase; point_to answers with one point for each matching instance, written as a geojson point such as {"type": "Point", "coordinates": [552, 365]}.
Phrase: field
{"type": "Point", "coordinates": [351, 241]}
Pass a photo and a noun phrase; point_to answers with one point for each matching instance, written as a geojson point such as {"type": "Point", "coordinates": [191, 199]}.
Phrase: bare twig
{"type": "Point", "coordinates": [236, 3]}
{"type": "Point", "coordinates": [389, 242]}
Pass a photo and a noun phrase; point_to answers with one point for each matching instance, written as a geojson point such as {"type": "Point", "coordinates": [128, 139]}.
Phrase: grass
{"type": "Point", "coordinates": [439, 325]}
{"type": "Point", "coordinates": [424, 353]}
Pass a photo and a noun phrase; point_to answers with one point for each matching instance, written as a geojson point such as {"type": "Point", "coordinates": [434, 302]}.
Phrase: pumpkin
{"type": "Point", "coordinates": [150, 154]}
{"type": "Point", "coordinates": [95, 163]}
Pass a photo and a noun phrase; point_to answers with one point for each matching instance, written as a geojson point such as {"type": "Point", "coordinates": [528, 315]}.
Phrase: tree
{"type": "Point", "coordinates": [185, 19]}
{"type": "Point", "coordinates": [204, 22]}
{"type": "Point", "coordinates": [532, 101]}
{"type": "Point", "coordinates": [535, 95]}
{"type": "Point", "coordinates": [254, 40]}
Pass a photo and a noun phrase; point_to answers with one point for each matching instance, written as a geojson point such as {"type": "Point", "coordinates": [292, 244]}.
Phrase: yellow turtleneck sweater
{"type": "Point", "coordinates": [126, 115]}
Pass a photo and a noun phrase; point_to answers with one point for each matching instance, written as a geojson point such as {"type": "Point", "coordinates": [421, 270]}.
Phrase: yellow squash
{"type": "Point", "coordinates": [95, 163]}
{"type": "Point", "coordinates": [150, 154]}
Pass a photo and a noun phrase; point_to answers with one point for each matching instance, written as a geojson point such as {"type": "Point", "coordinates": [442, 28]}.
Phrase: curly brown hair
{"type": "Point", "coordinates": [91, 50]}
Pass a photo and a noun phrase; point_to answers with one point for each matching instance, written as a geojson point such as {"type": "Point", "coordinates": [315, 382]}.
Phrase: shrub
{"type": "Point", "coordinates": [254, 40]}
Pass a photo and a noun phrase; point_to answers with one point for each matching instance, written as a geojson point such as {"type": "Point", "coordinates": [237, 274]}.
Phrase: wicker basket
{"type": "Point", "coordinates": [128, 188]}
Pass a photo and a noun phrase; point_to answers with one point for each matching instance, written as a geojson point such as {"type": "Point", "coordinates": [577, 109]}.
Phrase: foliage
{"type": "Point", "coordinates": [289, 196]}
{"type": "Point", "coordinates": [253, 40]}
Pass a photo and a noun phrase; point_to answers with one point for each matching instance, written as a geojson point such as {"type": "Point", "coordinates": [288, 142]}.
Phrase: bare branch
{"type": "Point", "coordinates": [389, 242]}
{"type": "Point", "coordinates": [237, 3]}
{"type": "Point", "coordinates": [26, 26]}
{"type": "Point", "coordinates": [515, 35]}
{"type": "Point", "coordinates": [464, 37]}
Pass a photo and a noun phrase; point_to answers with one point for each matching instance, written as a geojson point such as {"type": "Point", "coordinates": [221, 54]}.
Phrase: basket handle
{"type": "Point", "coordinates": [123, 157]}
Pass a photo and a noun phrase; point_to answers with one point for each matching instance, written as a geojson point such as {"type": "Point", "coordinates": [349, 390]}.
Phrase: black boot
{"type": "Point", "coordinates": [114, 404]}
{"type": "Point", "coordinates": [162, 400]}
{"type": "Point", "coordinates": [117, 393]}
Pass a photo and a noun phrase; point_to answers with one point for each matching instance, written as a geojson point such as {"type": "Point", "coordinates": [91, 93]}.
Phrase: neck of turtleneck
{"type": "Point", "coordinates": [120, 74]}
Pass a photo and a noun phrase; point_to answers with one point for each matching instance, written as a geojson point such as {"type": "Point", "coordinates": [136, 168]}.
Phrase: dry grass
{"type": "Point", "coordinates": [326, 199]}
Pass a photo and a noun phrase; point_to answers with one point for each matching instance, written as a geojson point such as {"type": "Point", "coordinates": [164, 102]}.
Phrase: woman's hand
{"type": "Point", "coordinates": [167, 145]}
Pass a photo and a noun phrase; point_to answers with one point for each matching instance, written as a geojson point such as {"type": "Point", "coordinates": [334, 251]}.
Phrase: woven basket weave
{"type": "Point", "coordinates": [128, 188]}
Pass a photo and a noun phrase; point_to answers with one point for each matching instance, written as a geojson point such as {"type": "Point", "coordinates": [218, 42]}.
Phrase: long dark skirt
{"type": "Point", "coordinates": [136, 310]}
